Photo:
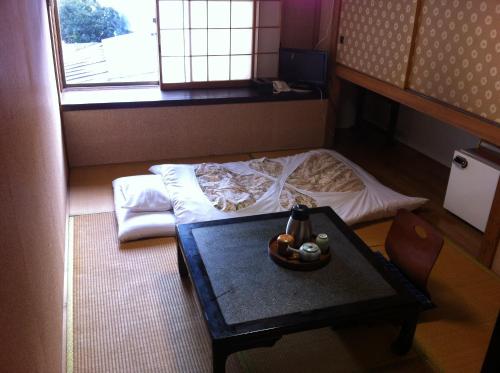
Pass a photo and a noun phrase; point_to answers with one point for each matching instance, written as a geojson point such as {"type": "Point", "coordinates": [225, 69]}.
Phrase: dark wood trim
{"type": "Point", "coordinates": [416, 25]}
{"type": "Point", "coordinates": [485, 129]}
{"type": "Point", "coordinates": [185, 97]}
{"type": "Point", "coordinates": [160, 75]}
{"type": "Point", "coordinates": [206, 85]}
{"type": "Point", "coordinates": [55, 34]}
{"type": "Point", "coordinates": [334, 84]}
{"type": "Point", "coordinates": [254, 37]}
{"type": "Point", "coordinates": [111, 85]}
{"type": "Point", "coordinates": [491, 236]}
{"type": "Point", "coordinates": [316, 22]}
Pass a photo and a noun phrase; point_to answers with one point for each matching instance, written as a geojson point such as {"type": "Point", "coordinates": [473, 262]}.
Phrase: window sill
{"type": "Point", "coordinates": [152, 96]}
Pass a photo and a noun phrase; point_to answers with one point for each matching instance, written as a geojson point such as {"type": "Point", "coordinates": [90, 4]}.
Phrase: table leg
{"type": "Point", "coordinates": [219, 357]}
{"type": "Point", "coordinates": [221, 350]}
{"type": "Point", "coordinates": [181, 264]}
{"type": "Point", "coordinates": [405, 339]}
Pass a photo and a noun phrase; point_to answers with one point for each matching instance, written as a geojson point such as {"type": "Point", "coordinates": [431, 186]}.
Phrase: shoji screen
{"type": "Point", "coordinates": [218, 40]}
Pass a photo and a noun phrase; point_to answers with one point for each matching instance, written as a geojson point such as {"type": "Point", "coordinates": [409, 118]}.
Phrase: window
{"type": "Point", "coordinates": [194, 42]}
{"type": "Point", "coordinates": [108, 41]}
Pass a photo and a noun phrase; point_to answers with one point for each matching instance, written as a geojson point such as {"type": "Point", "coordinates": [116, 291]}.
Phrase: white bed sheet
{"type": "Point", "coordinates": [192, 205]}
{"type": "Point", "coordinates": [136, 225]}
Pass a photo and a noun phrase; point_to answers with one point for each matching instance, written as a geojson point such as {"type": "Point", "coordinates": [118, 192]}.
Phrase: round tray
{"type": "Point", "coordinates": [293, 262]}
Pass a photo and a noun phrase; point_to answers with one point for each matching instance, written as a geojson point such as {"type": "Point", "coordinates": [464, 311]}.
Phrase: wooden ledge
{"type": "Point", "coordinates": [483, 128]}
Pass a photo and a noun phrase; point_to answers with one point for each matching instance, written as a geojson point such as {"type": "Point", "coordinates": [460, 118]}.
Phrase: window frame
{"type": "Point", "coordinates": [55, 30]}
{"type": "Point", "coordinates": [55, 27]}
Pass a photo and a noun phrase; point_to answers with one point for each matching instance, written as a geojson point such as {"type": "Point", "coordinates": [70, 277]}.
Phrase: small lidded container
{"type": "Point", "coordinates": [285, 240]}
{"type": "Point", "coordinates": [323, 242]}
{"type": "Point", "coordinates": [309, 252]}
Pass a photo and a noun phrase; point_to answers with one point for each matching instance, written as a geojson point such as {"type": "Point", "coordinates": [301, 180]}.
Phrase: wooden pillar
{"type": "Point", "coordinates": [491, 236]}
{"type": "Point", "coordinates": [334, 84]}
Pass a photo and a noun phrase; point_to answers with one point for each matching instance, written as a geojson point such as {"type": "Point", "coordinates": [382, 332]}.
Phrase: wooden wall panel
{"type": "Point", "coordinates": [130, 135]}
{"type": "Point", "coordinates": [495, 267]}
{"type": "Point", "coordinates": [32, 194]}
{"type": "Point", "coordinates": [300, 23]}
{"type": "Point", "coordinates": [457, 55]}
{"type": "Point", "coordinates": [375, 38]}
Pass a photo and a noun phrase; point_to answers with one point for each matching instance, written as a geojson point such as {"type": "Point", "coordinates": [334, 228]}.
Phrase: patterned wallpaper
{"type": "Point", "coordinates": [457, 54]}
{"type": "Point", "coordinates": [377, 37]}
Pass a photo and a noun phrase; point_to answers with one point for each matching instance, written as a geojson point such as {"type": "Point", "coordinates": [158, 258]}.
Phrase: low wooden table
{"type": "Point", "coordinates": [249, 301]}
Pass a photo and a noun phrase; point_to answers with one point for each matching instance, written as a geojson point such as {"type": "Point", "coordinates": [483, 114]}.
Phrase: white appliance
{"type": "Point", "coordinates": [472, 185]}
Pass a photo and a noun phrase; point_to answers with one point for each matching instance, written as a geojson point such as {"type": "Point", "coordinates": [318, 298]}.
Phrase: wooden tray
{"type": "Point", "coordinates": [293, 262]}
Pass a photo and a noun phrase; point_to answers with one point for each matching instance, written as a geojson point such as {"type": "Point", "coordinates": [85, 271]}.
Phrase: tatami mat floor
{"type": "Point", "coordinates": [132, 312]}
{"type": "Point", "coordinates": [453, 337]}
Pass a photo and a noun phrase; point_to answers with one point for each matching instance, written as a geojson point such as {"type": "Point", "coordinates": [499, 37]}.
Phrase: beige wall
{"type": "Point", "coordinates": [32, 194]}
{"type": "Point", "coordinates": [126, 135]}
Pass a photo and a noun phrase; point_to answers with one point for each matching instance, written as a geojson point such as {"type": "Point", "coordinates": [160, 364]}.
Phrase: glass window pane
{"type": "Point", "coordinates": [199, 68]}
{"type": "Point", "coordinates": [218, 14]}
{"type": "Point", "coordinates": [198, 42]}
{"type": "Point", "coordinates": [172, 43]}
{"type": "Point", "coordinates": [218, 42]}
{"type": "Point", "coordinates": [115, 31]}
{"type": "Point", "coordinates": [241, 67]}
{"type": "Point", "coordinates": [171, 14]}
{"type": "Point", "coordinates": [241, 41]}
{"type": "Point", "coordinates": [242, 14]}
{"type": "Point", "coordinates": [269, 14]}
{"type": "Point", "coordinates": [218, 68]}
{"type": "Point", "coordinates": [268, 40]}
{"type": "Point", "coordinates": [266, 65]}
{"type": "Point", "coordinates": [173, 69]}
{"type": "Point", "coordinates": [198, 14]}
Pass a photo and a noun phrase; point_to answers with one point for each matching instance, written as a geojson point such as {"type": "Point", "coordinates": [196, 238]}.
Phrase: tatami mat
{"type": "Point", "coordinates": [133, 313]}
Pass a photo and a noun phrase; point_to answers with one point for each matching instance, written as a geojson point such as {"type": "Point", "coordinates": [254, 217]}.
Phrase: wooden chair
{"type": "Point", "coordinates": [413, 245]}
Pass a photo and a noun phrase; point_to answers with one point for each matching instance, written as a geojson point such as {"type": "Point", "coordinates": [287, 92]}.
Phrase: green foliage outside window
{"type": "Point", "coordinates": [84, 21]}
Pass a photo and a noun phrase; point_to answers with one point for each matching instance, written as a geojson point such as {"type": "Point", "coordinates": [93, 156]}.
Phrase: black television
{"type": "Point", "coordinates": [303, 66]}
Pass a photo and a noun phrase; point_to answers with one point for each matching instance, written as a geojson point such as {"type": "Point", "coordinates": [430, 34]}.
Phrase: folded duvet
{"type": "Point", "coordinates": [209, 191]}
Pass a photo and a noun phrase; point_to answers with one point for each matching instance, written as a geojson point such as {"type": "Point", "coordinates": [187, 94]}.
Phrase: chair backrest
{"type": "Point", "coordinates": [414, 246]}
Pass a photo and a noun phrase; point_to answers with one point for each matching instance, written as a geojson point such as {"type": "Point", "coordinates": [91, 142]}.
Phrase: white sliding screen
{"type": "Point", "coordinates": [267, 38]}
{"type": "Point", "coordinates": [212, 42]}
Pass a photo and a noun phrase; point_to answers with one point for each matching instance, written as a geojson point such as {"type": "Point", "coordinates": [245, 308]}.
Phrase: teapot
{"type": "Point", "coordinates": [308, 252]}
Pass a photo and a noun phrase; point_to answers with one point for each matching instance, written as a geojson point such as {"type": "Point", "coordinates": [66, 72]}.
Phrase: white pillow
{"type": "Point", "coordinates": [145, 194]}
